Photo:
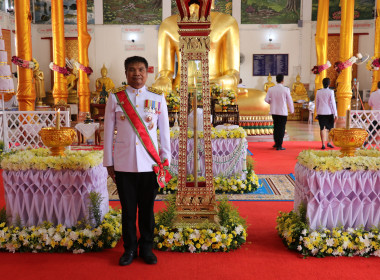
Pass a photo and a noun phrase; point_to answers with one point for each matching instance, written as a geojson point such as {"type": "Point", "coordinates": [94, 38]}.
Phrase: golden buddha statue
{"type": "Point", "coordinates": [224, 56]}
{"type": "Point", "coordinates": [104, 81]}
{"type": "Point", "coordinates": [72, 79]}
{"type": "Point", "coordinates": [39, 85]}
{"type": "Point", "coordinates": [269, 83]}
{"type": "Point", "coordinates": [299, 92]}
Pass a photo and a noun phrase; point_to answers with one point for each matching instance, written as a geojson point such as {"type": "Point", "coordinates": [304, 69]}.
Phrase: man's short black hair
{"type": "Point", "coordinates": [378, 84]}
{"type": "Point", "coordinates": [135, 59]}
{"type": "Point", "coordinates": [279, 78]}
{"type": "Point", "coordinates": [326, 82]}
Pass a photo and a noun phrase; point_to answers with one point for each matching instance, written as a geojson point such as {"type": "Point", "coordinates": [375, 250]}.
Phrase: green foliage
{"type": "Point", "coordinates": [229, 215]}
{"type": "Point", "coordinates": [94, 208]}
{"type": "Point", "coordinates": [166, 217]}
{"type": "Point", "coordinates": [3, 216]}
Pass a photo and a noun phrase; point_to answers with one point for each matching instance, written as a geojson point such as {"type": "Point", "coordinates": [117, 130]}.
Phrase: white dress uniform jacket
{"type": "Point", "coordinates": [325, 102]}
{"type": "Point", "coordinates": [278, 96]}
{"type": "Point", "coordinates": [129, 154]}
{"type": "Point", "coordinates": [374, 102]}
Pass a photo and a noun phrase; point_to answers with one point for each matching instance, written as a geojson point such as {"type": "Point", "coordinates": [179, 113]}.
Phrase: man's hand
{"type": "Point", "coordinates": [111, 173]}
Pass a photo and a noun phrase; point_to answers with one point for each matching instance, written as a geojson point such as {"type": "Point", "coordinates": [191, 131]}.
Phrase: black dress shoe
{"type": "Point", "coordinates": [274, 146]}
{"type": "Point", "coordinates": [280, 148]}
{"type": "Point", "coordinates": [149, 258]}
{"type": "Point", "coordinates": [329, 145]}
{"type": "Point", "coordinates": [127, 258]}
{"type": "Point", "coordinates": [323, 147]}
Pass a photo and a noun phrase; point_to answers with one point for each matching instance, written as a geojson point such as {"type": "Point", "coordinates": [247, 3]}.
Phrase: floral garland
{"type": "Point", "coordinates": [223, 185]}
{"type": "Point", "coordinates": [340, 66]}
{"type": "Point", "coordinates": [373, 64]}
{"type": "Point", "coordinates": [215, 133]}
{"type": "Point", "coordinates": [48, 238]}
{"type": "Point", "coordinates": [230, 235]}
{"type": "Point", "coordinates": [332, 162]}
{"type": "Point", "coordinates": [319, 68]}
{"type": "Point", "coordinates": [296, 234]}
{"type": "Point", "coordinates": [22, 63]}
{"type": "Point", "coordinates": [40, 159]}
{"type": "Point", "coordinates": [88, 70]}
{"type": "Point", "coordinates": [56, 68]}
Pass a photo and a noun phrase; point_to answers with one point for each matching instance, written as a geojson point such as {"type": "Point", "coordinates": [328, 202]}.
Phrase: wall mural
{"type": "Point", "coordinates": [364, 9]}
{"type": "Point", "coordinates": [147, 12]}
{"type": "Point", "coordinates": [270, 11]}
{"type": "Point", "coordinates": [223, 6]}
{"type": "Point", "coordinates": [42, 11]}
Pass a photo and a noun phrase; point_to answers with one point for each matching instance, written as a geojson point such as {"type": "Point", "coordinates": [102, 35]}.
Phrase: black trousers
{"type": "Point", "coordinates": [279, 124]}
{"type": "Point", "coordinates": [137, 191]}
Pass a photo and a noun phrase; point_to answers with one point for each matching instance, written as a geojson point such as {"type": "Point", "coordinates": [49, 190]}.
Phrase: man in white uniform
{"type": "Point", "coordinates": [278, 97]}
{"type": "Point", "coordinates": [130, 163]}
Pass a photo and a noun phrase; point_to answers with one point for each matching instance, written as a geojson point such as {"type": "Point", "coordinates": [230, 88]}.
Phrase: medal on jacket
{"type": "Point", "coordinates": [122, 117]}
{"type": "Point", "coordinates": [151, 125]}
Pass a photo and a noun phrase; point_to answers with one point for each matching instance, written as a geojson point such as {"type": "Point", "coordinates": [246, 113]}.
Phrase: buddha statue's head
{"type": "Point", "coordinates": [104, 71]}
{"type": "Point", "coordinates": [269, 78]}
{"type": "Point", "coordinates": [298, 78]}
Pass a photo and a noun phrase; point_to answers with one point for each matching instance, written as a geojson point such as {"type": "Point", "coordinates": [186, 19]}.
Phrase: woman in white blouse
{"type": "Point", "coordinates": [326, 111]}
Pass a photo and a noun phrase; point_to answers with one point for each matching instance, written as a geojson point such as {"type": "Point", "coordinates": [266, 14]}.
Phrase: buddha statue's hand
{"type": "Point", "coordinates": [227, 81]}
{"type": "Point", "coordinates": [163, 83]}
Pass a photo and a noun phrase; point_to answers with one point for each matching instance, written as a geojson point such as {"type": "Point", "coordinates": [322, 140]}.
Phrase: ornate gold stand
{"type": "Point", "coordinates": [348, 139]}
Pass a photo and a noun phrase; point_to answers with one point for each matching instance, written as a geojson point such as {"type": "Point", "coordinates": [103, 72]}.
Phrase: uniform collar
{"type": "Point", "coordinates": [135, 91]}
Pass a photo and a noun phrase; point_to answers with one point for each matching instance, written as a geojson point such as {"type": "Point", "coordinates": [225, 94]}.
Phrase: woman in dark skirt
{"type": "Point", "coordinates": [326, 111]}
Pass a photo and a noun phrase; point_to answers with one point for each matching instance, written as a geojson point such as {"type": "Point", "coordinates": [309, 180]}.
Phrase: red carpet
{"type": "Point", "coordinates": [270, 161]}
{"type": "Point", "coordinates": [263, 256]}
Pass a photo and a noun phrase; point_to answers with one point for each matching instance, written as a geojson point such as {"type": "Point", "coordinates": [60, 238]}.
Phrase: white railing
{"type": "Point", "coordinates": [19, 129]}
{"type": "Point", "coordinates": [363, 119]}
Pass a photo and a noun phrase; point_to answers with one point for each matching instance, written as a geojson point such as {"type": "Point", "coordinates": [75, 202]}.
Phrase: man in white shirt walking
{"type": "Point", "coordinates": [280, 100]}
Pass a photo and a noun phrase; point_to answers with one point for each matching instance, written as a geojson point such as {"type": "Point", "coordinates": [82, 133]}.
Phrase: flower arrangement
{"type": "Point", "coordinates": [332, 162]}
{"type": "Point", "coordinates": [319, 68]}
{"type": "Point", "coordinates": [216, 91]}
{"type": "Point", "coordinates": [296, 234]}
{"type": "Point", "coordinates": [373, 64]}
{"type": "Point", "coordinates": [224, 101]}
{"type": "Point", "coordinates": [40, 159]}
{"type": "Point", "coordinates": [173, 99]}
{"type": "Point", "coordinates": [88, 70]}
{"type": "Point", "coordinates": [215, 133]}
{"type": "Point", "coordinates": [206, 237]}
{"type": "Point", "coordinates": [223, 185]}
{"type": "Point", "coordinates": [231, 95]}
{"type": "Point", "coordinates": [48, 238]}
{"type": "Point", "coordinates": [22, 63]}
{"type": "Point", "coordinates": [56, 68]}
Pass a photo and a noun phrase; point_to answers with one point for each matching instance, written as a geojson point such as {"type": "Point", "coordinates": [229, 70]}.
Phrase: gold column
{"type": "Point", "coordinates": [344, 90]}
{"type": "Point", "coordinates": [83, 42]}
{"type": "Point", "coordinates": [26, 94]}
{"type": "Point", "coordinates": [376, 74]}
{"type": "Point", "coordinates": [60, 82]}
{"type": "Point", "coordinates": [321, 40]}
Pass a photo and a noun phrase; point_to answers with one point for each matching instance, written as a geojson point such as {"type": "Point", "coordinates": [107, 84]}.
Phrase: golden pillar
{"type": "Point", "coordinates": [57, 21]}
{"type": "Point", "coordinates": [321, 40]}
{"type": "Point", "coordinates": [376, 74]}
{"type": "Point", "coordinates": [83, 42]}
{"type": "Point", "coordinates": [344, 90]}
{"type": "Point", "coordinates": [26, 94]}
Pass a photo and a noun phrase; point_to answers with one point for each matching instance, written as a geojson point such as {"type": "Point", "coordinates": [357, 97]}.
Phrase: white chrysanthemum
{"type": "Point", "coordinates": [299, 248]}
{"type": "Point", "coordinates": [192, 248]}
{"type": "Point", "coordinates": [79, 251]}
{"type": "Point", "coordinates": [330, 242]}
{"type": "Point", "coordinates": [304, 232]}
{"type": "Point", "coordinates": [376, 253]}
{"type": "Point", "coordinates": [57, 237]}
{"type": "Point", "coordinates": [73, 235]}
{"type": "Point", "coordinates": [51, 231]}
{"type": "Point", "coordinates": [204, 247]}
{"type": "Point", "coordinates": [177, 236]}
{"type": "Point", "coordinates": [162, 232]}
{"type": "Point", "coordinates": [239, 229]}
{"type": "Point", "coordinates": [314, 251]}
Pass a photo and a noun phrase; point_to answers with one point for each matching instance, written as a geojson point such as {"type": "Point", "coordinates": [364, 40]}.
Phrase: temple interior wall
{"type": "Point", "coordinates": [110, 45]}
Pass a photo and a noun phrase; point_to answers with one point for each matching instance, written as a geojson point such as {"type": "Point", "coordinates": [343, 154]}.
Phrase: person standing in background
{"type": "Point", "coordinates": [135, 162]}
{"type": "Point", "coordinates": [326, 111]}
{"type": "Point", "coordinates": [278, 97]}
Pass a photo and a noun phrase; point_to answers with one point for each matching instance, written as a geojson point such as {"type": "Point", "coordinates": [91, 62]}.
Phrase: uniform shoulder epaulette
{"type": "Point", "coordinates": [116, 90]}
{"type": "Point", "coordinates": [155, 90]}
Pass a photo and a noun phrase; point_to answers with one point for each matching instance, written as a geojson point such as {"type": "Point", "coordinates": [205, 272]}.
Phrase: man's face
{"type": "Point", "coordinates": [136, 75]}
